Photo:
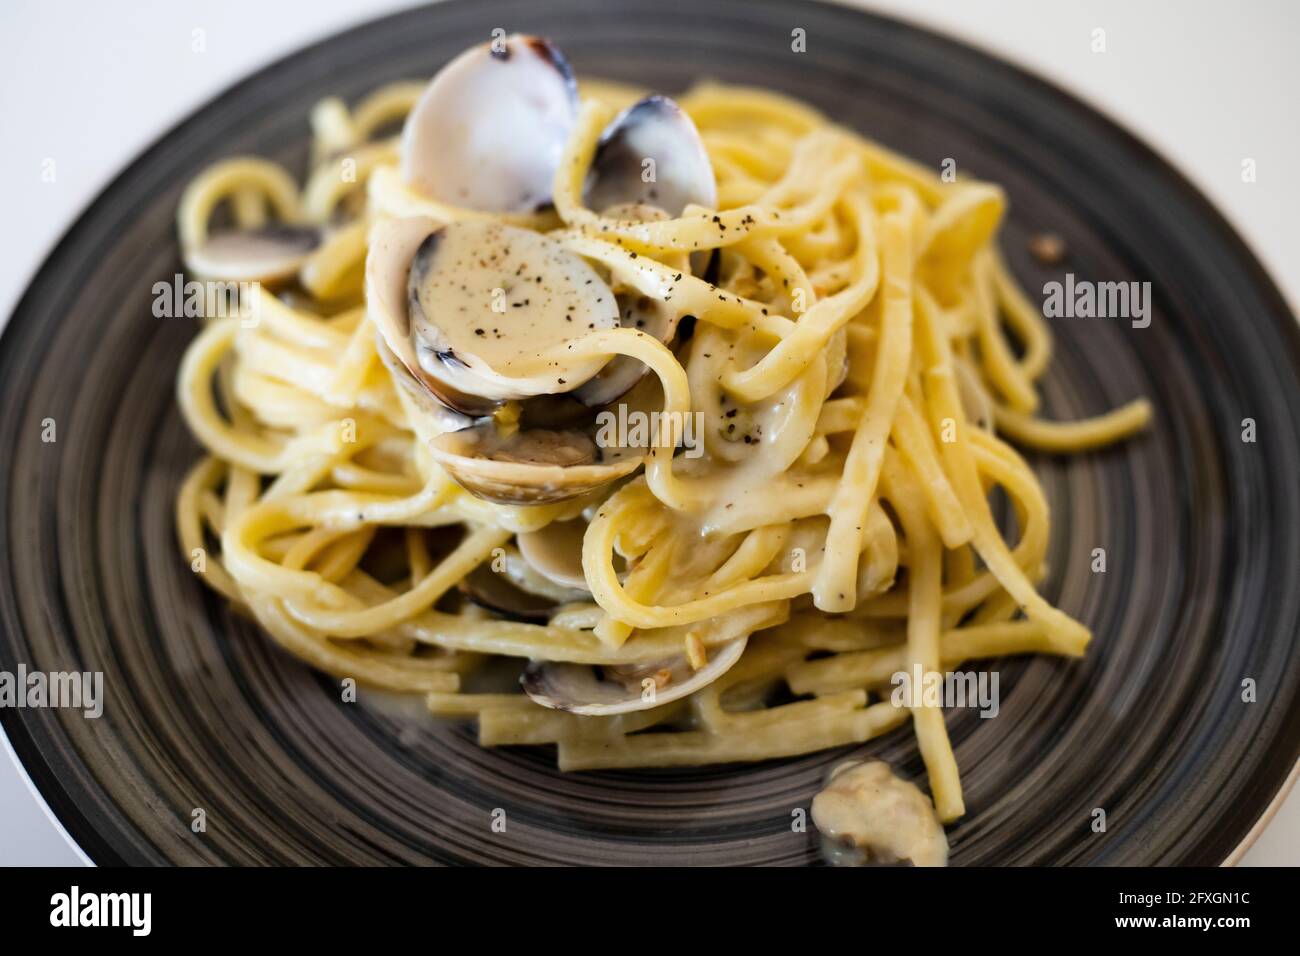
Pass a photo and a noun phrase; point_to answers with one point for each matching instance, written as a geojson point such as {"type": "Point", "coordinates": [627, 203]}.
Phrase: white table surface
{"type": "Point", "coordinates": [89, 84]}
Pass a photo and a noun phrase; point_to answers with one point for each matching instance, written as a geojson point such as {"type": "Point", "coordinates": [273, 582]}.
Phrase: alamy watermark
{"type": "Point", "coordinates": [1082, 299]}
{"type": "Point", "coordinates": [82, 691]}
{"type": "Point", "coordinates": [638, 429]}
{"type": "Point", "coordinates": [74, 908]}
{"type": "Point", "coordinates": [210, 299]}
{"type": "Point", "coordinates": [922, 688]}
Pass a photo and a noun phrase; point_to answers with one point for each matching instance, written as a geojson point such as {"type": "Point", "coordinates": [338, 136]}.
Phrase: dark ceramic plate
{"type": "Point", "coordinates": [1200, 528]}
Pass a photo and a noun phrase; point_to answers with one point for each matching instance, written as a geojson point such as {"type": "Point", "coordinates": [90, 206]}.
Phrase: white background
{"type": "Point", "coordinates": [89, 84]}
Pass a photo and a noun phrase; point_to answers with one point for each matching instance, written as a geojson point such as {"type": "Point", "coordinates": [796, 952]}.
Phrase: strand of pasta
{"type": "Point", "coordinates": [221, 180]}
{"type": "Point", "coordinates": [835, 589]}
{"type": "Point", "coordinates": [1106, 429]}
{"type": "Point", "coordinates": [924, 606]}
{"type": "Point", "coordinates": [805, 342]}
{"type": "Point", "coordinates": [945, 405]}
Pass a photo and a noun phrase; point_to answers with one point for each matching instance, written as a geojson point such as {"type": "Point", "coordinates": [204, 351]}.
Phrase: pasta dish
{"type": "Point", "coordinates": [661, 431]}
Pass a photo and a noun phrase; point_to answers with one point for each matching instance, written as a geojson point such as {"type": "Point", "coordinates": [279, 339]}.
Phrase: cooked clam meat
{"type": "Point", "coordinates": [880, 817]}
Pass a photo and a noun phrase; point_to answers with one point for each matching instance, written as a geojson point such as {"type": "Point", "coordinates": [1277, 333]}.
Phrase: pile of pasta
{"type": "Point", "coordinates": [859, 363]}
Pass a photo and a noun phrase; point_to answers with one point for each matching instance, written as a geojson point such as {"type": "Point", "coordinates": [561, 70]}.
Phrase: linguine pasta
{"type": "Point", "coordinates": [858, 357]}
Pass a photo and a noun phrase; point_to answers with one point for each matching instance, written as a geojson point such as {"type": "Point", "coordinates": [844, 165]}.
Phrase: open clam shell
{"type": "Point", "coordinates": [533, 466]}
{"type": "Point", "coordinates": [514, 589]}
{"type": "Point", "coordinates": [555, 552]}
{"type": "Point", "coordinates": [488, 132]}
{"type": "Point", "coordinates": [461, 305]}
{"type": "Point", "coordinates": [603, 691]}
{"type": "Point", "coordinates": [484, 298]}
{"type": "Point", "coordinates": [269, 254]}
{"type": "Point", "coordinates": [636, 311]}
{"type": "Point", "coordinates": [652, 153]}
{"type": "Point", "coordinates": [393, 244]}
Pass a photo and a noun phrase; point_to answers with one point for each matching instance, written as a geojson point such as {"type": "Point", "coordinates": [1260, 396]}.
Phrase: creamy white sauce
{"type": "Point", "coordinates": [749, 479]}
{"type": "Point", "coordinates": [491, 296]}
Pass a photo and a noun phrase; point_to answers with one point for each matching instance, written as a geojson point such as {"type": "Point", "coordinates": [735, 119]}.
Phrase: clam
{"type": "Point", "coordinates": [268, 254]}
{"type": "Point", "coordinates": [877, 817]}
{"type": "Point", "coordinates": [605, 690]}
{"type": "Point", "coordinates": [531, 466]}
{"type": "Point", "coordinates": [516, 590]}
{"type": "Point", "coordinates": [392, 246]}
{"type": "Point", "coordinates": [525, 577]}
{"type": "Point", "coordinates": [555, 552]}
{"type": "Point", "coordinates": [434, 413]}
{"type": "Point", "coordinates": [459, 305]}
{"type": "Point", "coordinates": [498, 594]}
{"type": "Point", "coordinates": [459, 308]}
{"type": "Point", "coordinates": [482, 297]}
{"type": "Point", "coordinates": [636, 311]}
{"type": "Point", "coordinates": [652, 154]}
{"type": "Point", "coordinates": [488, 132]}
{"type": "Point", "coordinates": [462, 309]}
